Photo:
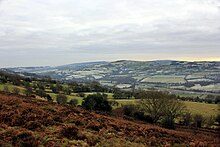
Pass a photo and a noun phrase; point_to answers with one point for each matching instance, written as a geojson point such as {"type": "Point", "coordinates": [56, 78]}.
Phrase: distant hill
{"type": "Point", "coordinates": [159, 61]}
{"type": "Point", "coordinates": [77, 66]}
{"type": "Point", "coordinates": [174, 76]}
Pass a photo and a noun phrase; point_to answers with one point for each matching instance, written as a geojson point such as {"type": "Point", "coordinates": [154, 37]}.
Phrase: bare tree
{"type": "Point", "coordinates": [173, 108]}
{"type": "Point", "coordinates": [161, 105]}
{"type": "Point", "coordinates": [153, 107]}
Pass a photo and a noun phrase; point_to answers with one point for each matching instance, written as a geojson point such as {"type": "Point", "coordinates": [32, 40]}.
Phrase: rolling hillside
{"type": "Point", "coordinates": [178, 77]}
{"type": "Point", "coordinates": [31, 122]}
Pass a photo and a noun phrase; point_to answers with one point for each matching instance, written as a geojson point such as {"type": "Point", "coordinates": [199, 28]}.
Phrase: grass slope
{"type": "Point", "coordinates": [194, 107]}
{"type": "Point", "coordinates": [31, 122]}
{"type": "Point", "coordinates": [202, 108]}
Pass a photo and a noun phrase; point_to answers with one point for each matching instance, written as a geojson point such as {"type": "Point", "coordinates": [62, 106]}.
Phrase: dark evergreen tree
{"type": "Point", "coordinates": [97, 102]}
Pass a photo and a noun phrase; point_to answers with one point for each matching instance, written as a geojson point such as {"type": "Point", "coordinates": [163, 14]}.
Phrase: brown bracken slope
{"type": "Point", "coordinates": [31, 122]}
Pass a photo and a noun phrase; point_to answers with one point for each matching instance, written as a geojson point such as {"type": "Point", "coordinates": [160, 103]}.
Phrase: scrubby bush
{"type": "Point", "coordinates": [168, 122]}
{"type": "Point", "coordinates": [16, 90]}
{"type": "Point", "coordinates": [210, 121]}
{"type": "Point", "coordinates": [217, 119]}
{"type": "Point", "coordinates": [142, 116]}
{"type": "Point", "coordinates": [49, 98]}
{"type": "Point", "coordinates": [94, 126]}
{"type": "Point", "coordinates": [33, 125]}
{"type": "Point", "coordinates": [198, 120]}
{"type": "Point", "coordinates": [24, 139]}
{"type": "Point", "coordinates": [217, 100]}
{"type": "Point", "coordinates": [61, 99]}
{"type": "Point", "coordinates": [134, 111]}
{"type": "Point", "coordinates": [72, 132]}
{"type": "Point", "coordinates": [97, 102]}
{"type": "Point", "coordinates": [67, 91]}
{"type": "Point", "coordinates": [129, 110]}
{"type": "Point", "coordinates": [69, 132]}
{"type": "Point", "coordinates": [187, 118]}
{"type": "Point", "coordinates": [41, 93]}
{"type": "Point", "coordinates": [73, 102]}
{"type": "Point", "coordinates": [28, 91]}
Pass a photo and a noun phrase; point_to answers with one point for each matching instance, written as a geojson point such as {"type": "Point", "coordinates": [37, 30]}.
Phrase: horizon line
{"type": "Point", "coordinates": [209, 60]}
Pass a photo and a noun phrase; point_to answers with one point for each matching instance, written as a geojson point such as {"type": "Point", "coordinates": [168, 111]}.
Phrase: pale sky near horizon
{"type": "Point", "coordinates": [56, 32]}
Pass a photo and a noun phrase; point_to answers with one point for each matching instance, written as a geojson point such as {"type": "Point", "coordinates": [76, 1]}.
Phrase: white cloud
{"type": "Point", "coordinates": [108, 26]}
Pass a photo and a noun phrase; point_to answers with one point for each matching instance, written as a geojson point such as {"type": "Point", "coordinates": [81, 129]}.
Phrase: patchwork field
{"type": "Point", "coordinates": [157, 74]}
{"type": "Point", "coordinates": [211, 87]}
{"type": "Point", "coordinates": [165, 79]}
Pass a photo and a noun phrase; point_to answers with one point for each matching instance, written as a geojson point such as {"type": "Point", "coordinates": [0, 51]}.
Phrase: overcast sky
{"type": "Point", "coordinates": [56, 32]}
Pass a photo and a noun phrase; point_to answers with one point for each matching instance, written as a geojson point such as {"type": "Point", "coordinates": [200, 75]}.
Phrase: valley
{"type": "Point", "coordinates": [194, 79]}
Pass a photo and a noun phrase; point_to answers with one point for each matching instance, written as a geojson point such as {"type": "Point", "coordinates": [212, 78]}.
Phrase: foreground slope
{"type": "Point", "coordinates": [31, 122]}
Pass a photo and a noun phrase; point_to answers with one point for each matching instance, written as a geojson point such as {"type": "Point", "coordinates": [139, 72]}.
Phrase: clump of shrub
{"type": "Point", "coordinates": [133, 111]}
{"type": "Point", "coordinates": [210, 121]}
{"type": "Point", "coordinates": [168, 122]}
{"type": "Point", "coordinates": [72, 132]}
{"type": "Point", "coordinates": [69, 132]}
{"type": "Point", "coordinates": [129, 110]}
{"type": "Point", "coordinates": [16, 90]}
{"type": "Point", "coordinates": [78, 122]}
{"type": "Point", "coordinates": [73, 102]}
{"type": "Point", "coordinates": [24, 139]}
{"type": "Point", "coordinates": [94, 126]}
{"type": "Point", "coordinates": [61, 99]}
{"type": "Point", "coordinates": [97, 102]}
{"type": "Point", "coordinates": [92, 140]}
{"type": "Point", "coordinates": [49, 98]}
{"type": "Point", "coordinates": [41, 93]}
{"type": "Point", "coordinates": [198, 120]}
{"type": "Point", "coordinates": [33, 125]}
{"type": "Point", "coordinates": [57, 118]}
{"type": "Point", "coordinates": [187, 118]}
{"type": "Point", "coordinates": [217, 119]}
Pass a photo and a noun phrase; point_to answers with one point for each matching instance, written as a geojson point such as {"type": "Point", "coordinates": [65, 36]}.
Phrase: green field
{"type": "Point", "coordinates": [110, 95]}
{"type": "Point", "coordinates": [10, 88]}
{"type": "Point", "coordinates": [76, 96]}
{"type": "Point", "coordinates": [69, 97]}
{"type": "Point", "coordinates": [194, 107]}
{"type": "Point", "coordinates": [184, 93]}
{"type": "Point", "coordinates": [165, 79]}
{"type": "Point", "coordinates": [202, 108]}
